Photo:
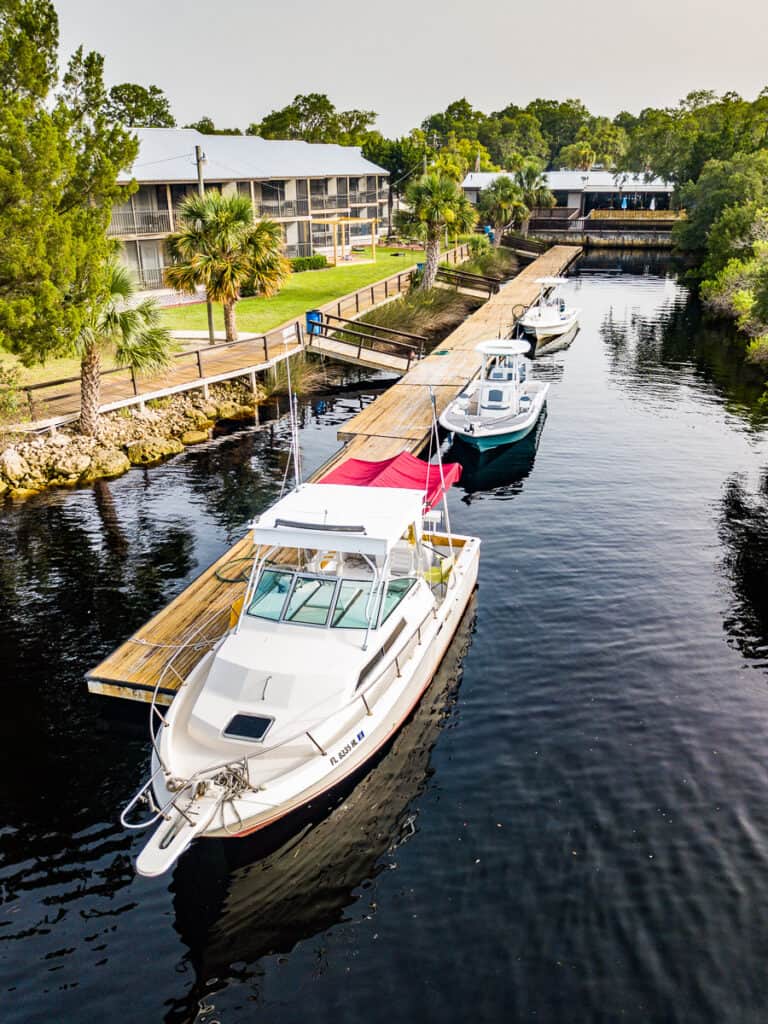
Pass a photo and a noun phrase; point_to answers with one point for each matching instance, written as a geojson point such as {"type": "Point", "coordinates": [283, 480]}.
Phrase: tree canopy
{"type": "Point", "coordinates": [314, 118]}
{"type": "Point", "coordinates": [207, 127]}
{"type": "Point", "coordinates": [59, 163]}
{"type": "Point", "coordinates": [138, 107]}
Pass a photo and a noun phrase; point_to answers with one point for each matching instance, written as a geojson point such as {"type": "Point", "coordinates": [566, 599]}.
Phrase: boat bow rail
{"type": "Point", "coordinates": [211, 781]}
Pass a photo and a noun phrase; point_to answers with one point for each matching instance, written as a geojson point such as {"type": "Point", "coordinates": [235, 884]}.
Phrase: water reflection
{"type": "Point", "coordinates": [665, 343]}
{"type": "Point", "coordinates": [236, 902]}
{"type": "Point", "coordinates": [744, 532]}
{"type": "Point", "coordinates": [499, 472]}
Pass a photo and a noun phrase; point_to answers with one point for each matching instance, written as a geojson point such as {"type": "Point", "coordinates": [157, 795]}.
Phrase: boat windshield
{"type": "Point", "coordinates": [310, 599]}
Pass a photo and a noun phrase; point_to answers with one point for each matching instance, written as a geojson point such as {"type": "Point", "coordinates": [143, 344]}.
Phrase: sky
{"type": "Point", "coordinates": [235, 61]}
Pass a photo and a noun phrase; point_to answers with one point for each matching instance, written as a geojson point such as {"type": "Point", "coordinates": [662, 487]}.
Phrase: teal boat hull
{"type": "Point", "coordinates": [483, 444]}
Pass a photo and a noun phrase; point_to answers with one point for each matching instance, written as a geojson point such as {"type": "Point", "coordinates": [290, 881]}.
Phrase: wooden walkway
{"type": "Point", "coordinates": [400, 420]}
{"type": "Point", "coordinates": [57, 402]}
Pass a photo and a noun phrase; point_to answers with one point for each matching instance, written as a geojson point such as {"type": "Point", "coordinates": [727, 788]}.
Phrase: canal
{"type": "Point", "coordinates": [573, 826]}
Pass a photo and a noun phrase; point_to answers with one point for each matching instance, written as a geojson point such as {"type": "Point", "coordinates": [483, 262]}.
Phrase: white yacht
{"type": "Point", "coordinates": [549, 316]}
{"type": "Point", "coordinates": [503, 403]}
{"type": "Point", "coordinates": [354, 597]}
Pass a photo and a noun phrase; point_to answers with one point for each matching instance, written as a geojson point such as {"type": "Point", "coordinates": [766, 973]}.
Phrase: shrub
{"type": "Point", "coordinates": [479, 245]}
{"type": "Point", "coordinates": [10, 397]}
{"type": "Point", "coordinates": [306, 376]}
{"type": "Point", "coordinates": [501, 263]}
{"type": "Point", "coordinates": [316, 262]}
{"type": "Point", "coordinates": [429, 313]}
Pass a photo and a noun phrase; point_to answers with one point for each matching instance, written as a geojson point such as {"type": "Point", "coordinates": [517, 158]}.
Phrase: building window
{"type": "Point", "coordinates": [273, 191]}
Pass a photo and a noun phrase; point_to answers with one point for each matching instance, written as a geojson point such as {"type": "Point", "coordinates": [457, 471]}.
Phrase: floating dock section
{"type": "Point", "coordinates": [399, 420]}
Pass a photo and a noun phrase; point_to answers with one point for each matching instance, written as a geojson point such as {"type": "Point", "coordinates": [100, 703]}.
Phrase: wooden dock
{"type": "Point", "coordinates": [399, 420]}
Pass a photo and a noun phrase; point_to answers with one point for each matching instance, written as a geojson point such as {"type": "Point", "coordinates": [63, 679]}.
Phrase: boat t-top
{"type": "Point", "coordinates": [353, 599]}
{"type": "Point", "coordinates": [549, 316]}
{"type": "Point", "coordinates": [503, 403]}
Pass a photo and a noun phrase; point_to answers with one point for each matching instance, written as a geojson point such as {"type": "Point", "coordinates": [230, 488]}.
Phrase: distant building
{"type": "Point", "coordinates": [297, 184]}
{"type": "Point", "coordinates": [584, 191]}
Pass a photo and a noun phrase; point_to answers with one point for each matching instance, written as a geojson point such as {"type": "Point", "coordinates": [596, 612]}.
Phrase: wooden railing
{"type": "Point", "coordinates": [464, 279]}
{"type": "Point", "coordinates": [361, 336]}
{"type": "Point", "coordinates": [60, 399]}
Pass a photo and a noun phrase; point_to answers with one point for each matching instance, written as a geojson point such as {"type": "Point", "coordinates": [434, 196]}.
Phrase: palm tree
{"type": "Point", "coordinates": [502, 206]}
{"type": "Point", "coordinates": [222, 247]}
{"type": "Point", "coordinates": [435, 202]}
{"type": "Point", "coordinates": [533, 186]}
{"type": "Point", "coordinates": [131, 330]}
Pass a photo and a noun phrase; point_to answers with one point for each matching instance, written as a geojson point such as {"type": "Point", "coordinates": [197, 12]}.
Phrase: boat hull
{"type": "Point", "coordinates": [377, 721]}
{"type": "Point", "coordinates": [543, 328]}
{"type": "Point", "coordinates": [495, 434]}
{"type": "Point", "coordinates": [360, 759]}
{"type": "Point", "coordinates": [488, 441]}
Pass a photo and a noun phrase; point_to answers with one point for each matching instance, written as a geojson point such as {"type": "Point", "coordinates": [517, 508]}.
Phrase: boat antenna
{"type": "Point", "coordinates": [435, 434]}
{"type": "Point", "coordinates": [293, 405]}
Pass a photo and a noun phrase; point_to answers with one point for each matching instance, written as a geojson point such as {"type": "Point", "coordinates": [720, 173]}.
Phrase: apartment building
{"type": "Point", "coordinates": [300, 185]}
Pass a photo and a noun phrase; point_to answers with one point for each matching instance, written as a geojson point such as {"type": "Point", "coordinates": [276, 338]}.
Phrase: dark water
{"type": "Point", "coordinates": [574, 826]}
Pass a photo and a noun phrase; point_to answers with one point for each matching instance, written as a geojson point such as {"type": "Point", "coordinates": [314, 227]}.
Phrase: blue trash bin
{"type": "Point", "coordinates": [314, 320]}
{"type": "Point", "coordinates": [419, 267]}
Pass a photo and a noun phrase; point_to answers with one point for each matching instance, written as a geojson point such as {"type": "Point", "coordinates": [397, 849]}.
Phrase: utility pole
{"type": "Point", "coordinates": [199, 160]}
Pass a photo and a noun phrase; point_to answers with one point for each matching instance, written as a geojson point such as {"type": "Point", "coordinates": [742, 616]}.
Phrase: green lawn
{"type": "Point", "coordinates": [303, 291]}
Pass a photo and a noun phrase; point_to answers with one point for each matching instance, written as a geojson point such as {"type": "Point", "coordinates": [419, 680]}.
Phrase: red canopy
{"type": "Point", "coordinates": [404, 470]}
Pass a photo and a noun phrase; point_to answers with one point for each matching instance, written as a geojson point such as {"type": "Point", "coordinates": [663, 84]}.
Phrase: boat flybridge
{"type": "Point", "coordinates": [549, 316]}
{"type": "Point", "coordinates": [353, 599]}
{"type": "Point", "coordinates": [503, 403]}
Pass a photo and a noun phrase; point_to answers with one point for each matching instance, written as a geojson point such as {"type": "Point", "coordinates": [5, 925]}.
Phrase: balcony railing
{"type": "Point", "coordinates": [139, 222]}
{"type": "Point", "coordinates": [329, 202]}
{"type": "Point", "coordinates": [150, 277]}
{"type": "Point", "coordinates": [300, 249]}
{"type": "Point", "coordinates": [283, 208]}
{"type": "Point", "coordinates": [363, 198]}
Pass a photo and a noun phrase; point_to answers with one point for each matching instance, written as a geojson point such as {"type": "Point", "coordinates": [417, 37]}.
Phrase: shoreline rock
{"type": "Point", "coordinates": [128, 437]}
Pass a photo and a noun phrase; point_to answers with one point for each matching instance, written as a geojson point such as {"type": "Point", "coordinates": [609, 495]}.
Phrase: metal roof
{"type": "Point", "coordinates": [580, 181]}
{"type": "Point", "coordinates": [168, 155]}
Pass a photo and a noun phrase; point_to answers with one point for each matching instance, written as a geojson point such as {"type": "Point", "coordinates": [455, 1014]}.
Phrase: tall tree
{"type": "Point", "coordinates": [559, 121]}
{"type": "Point", "coordinates": [459, 156]}
{"type": "Point", "coordinates": [138, 107]}
{"type": "Point", "coordinates": [403, 158]}
{"type": "Point", "coordinates": [578, 156]}
{"type": "Point", "coordinates": [131, 331]}
{"type": "Point", "coordinates": [513, 135]}
{"type": "Point", "coordinates": [503, 206]}
{"type": "Point", "coordinates": [713, 229]}
{"type": "Point", "coordinates": [37, 256]}
{"type": "Point", "coordinates": [59, 164]}
{"type": "Point", "coordinates": [206, 127]}
{"type": "Point", "coordinates": [222, 247]}
{"type": "Point", "coordinates": [459, 118]}
{"type": "Point", "coordinates": [314, 118]}
{"type": "Point", "coordinates": [436, 204]}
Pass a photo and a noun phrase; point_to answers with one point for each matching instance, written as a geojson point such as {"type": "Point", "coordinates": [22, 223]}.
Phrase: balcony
{"type": "Point", "coordinates": [139, 222]}
{"type": "Point", "coordinates": [280, 208]}
{"type": "Point", "coordinates": [363, 198]}
{"type": "Point", "coordinates": [301, 249]}
{"type": "Point", "coordinates": [151, 277]}
{"type": "Point", "coordinates": [329, 202]}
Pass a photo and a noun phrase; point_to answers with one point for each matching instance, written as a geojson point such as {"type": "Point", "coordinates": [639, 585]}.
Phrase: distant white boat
{"type": "Point", "coordinates": [549, 317]}
{"type": "Point", "coordinates": [503, 404]}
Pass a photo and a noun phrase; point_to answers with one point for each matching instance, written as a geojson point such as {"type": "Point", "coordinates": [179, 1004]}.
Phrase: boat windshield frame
{"type": "Point", "coordinates": [375, 614]}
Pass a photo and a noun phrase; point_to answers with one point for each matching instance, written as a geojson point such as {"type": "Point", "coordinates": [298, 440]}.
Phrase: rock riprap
{"type": "Point", "coordinates": [129, 437]}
